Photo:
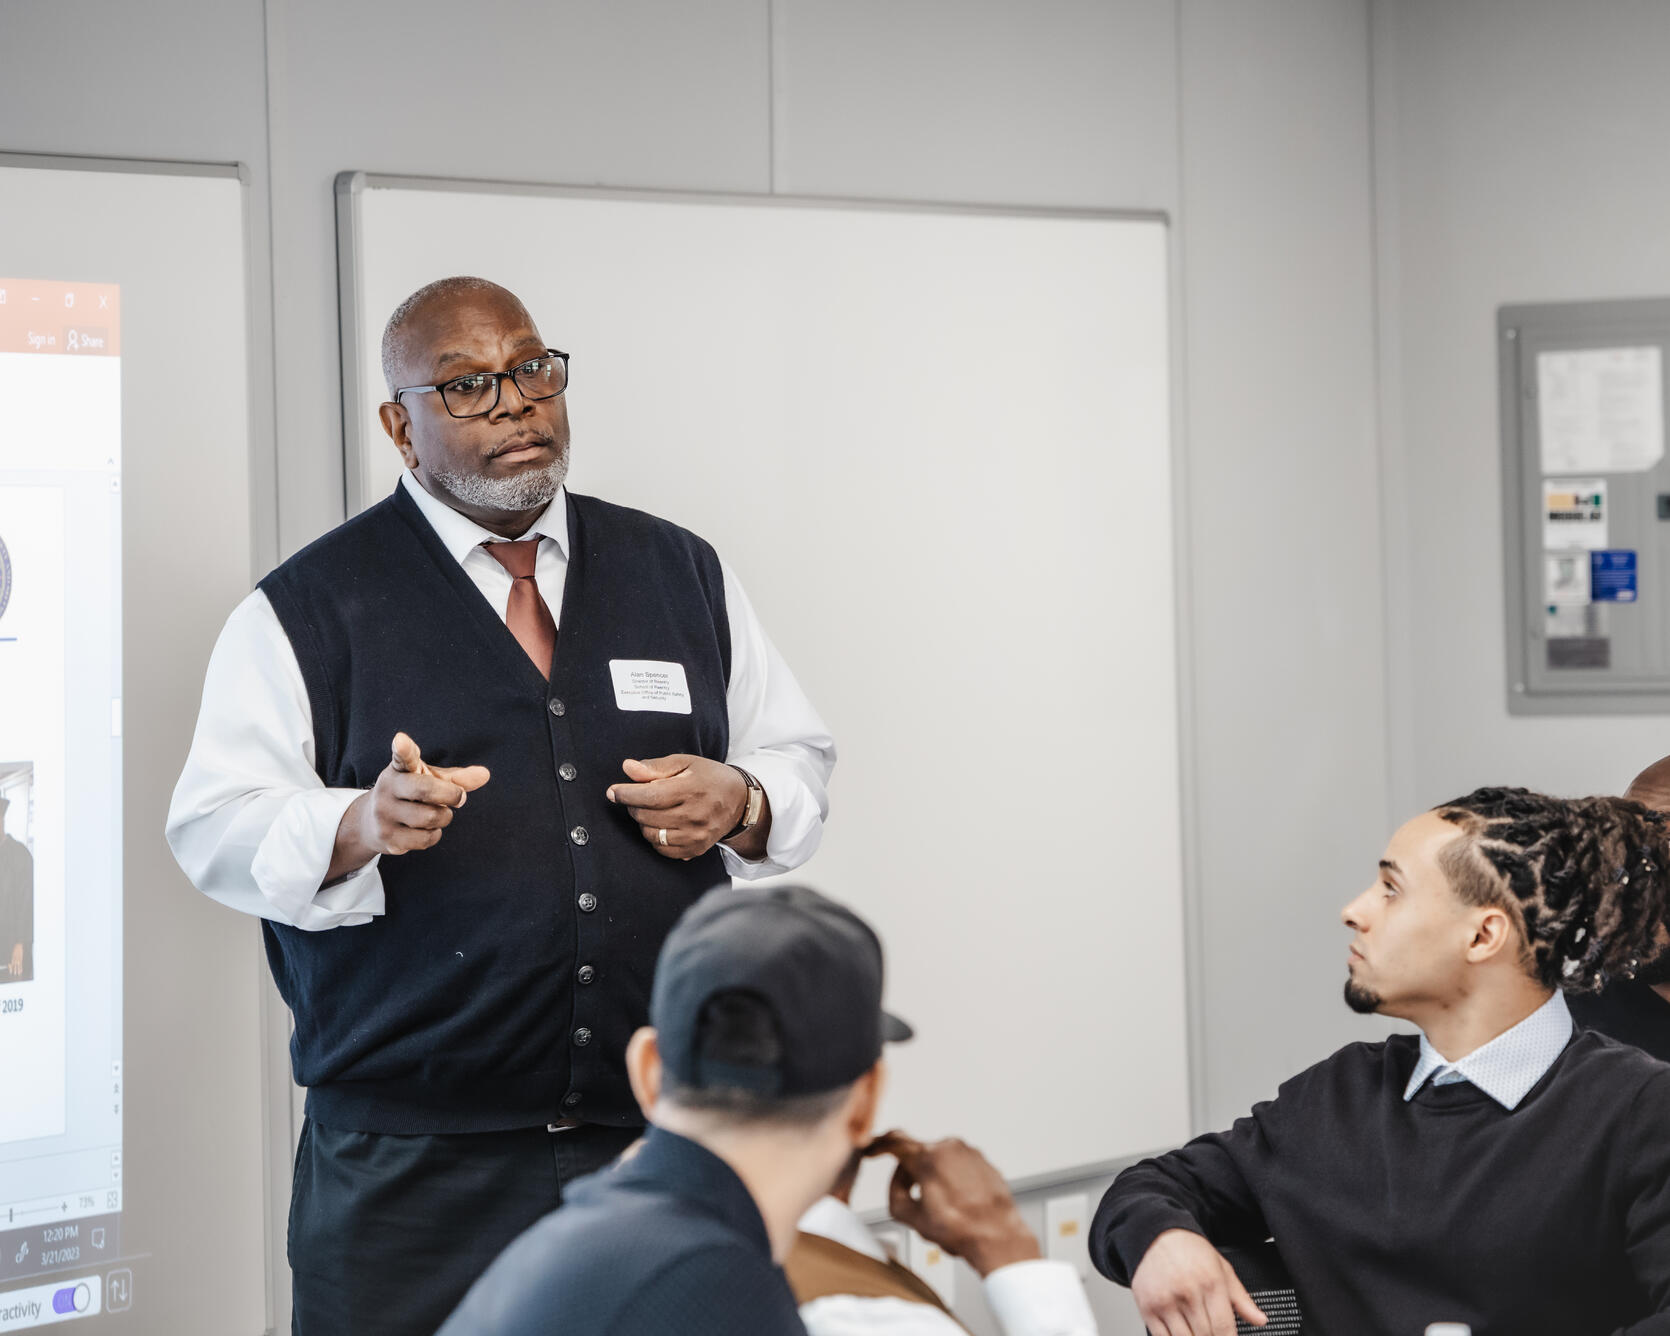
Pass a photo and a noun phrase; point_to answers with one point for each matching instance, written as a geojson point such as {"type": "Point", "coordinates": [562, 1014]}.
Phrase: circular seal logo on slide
{"type": "Point", "coordinates": [5, 577]}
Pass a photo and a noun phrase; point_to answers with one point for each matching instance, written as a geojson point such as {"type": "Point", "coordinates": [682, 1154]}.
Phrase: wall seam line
{"type": "Point", "coordinates": [275, 1066]}
{"type": "Point", "coordinates": [1194, 919]}
{"type": "Point", "coordinates": [1393, 507]}
{"type": "Point", "coordinates": [771, 96]}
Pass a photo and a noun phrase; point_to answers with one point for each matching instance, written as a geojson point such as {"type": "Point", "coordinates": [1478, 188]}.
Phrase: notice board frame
{"type": "Point", "coordinates": [1522, 332]}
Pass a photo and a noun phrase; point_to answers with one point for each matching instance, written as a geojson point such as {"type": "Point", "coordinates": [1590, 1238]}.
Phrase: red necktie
{"type": "Point", "coordinates": [527, 616]}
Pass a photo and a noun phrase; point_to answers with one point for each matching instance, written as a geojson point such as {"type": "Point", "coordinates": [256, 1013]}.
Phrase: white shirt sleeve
{"type": "Point", "coordinates": [778, 738]}
{"type": "Point", "coordinates": [851, 1315]}
{"type": "Point", "coordinates": [251, 823]}
{"type": "Point", "coordinates": [1039, 1298]}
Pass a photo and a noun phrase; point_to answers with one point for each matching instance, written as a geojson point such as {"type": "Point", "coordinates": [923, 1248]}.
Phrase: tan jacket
{"type": "Point", "coordinates": [818, 1267]}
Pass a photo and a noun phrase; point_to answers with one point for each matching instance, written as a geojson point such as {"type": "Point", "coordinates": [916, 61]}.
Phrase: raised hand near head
{"type": "Point", "coordinates": [951, 1195]}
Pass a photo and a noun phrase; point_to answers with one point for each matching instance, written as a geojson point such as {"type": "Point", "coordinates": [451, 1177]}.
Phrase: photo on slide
{"type": "Point", "coordinates": [17, 873]}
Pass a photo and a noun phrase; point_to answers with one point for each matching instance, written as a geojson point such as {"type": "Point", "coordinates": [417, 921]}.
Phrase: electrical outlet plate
{"type": "Point", "coordinates": [936, 1266]}
{"type": "Point", "coordinates": [1067, 1230]}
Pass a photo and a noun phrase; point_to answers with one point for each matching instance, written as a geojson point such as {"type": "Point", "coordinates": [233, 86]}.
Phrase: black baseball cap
{"type": "Point", "coordinates": [814, 963]}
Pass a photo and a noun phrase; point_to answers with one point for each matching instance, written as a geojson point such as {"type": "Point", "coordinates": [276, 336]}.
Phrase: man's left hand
{"type": "Point", "coordinates": [684, 805]}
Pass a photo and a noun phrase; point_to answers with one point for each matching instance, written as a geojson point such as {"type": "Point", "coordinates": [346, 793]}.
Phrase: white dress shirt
{"type": "Point", "coordinates": [1509, 1065]}
{"type": "Point", "coordinates": [1036, 1298]}
{"type": "Point", "coordinates": [253, 826]}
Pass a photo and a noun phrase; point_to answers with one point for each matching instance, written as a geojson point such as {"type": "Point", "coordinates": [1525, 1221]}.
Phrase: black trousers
{"type": "Point", "coordinates": [388, 1232]}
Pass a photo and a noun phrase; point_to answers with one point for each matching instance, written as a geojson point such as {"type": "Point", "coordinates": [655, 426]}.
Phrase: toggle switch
{"type": "Point", "coordinates": [72, 1299]}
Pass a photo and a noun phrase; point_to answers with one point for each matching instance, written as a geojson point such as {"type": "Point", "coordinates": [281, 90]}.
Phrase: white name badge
{"type": "Point", "coordinates": [648, 684]}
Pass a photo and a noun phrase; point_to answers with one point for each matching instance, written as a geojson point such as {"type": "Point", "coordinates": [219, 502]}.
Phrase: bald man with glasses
{"type": "Point", "coordinates": [469, 756]}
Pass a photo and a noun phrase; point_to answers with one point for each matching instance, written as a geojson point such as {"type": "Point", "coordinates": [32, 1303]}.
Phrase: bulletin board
{"type": "Point", "coordinates": [1586, 506]}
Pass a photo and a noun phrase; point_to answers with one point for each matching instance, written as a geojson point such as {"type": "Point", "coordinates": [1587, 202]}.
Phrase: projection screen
{"type": "Point", "coordinates": [133, 1127]}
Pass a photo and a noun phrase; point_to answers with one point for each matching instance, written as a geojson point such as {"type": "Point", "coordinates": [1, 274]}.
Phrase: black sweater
{"type": "Point", "coordinates": [1553, 1218]}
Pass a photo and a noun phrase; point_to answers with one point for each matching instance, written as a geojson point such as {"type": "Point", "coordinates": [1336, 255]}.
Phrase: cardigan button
{"type": "Point", "coordinates": [579, 835]}
{"type": "Point", "coordinates": [567, 770]}
{"type": "Point", "coordinates": [587, 903]}
{"type": "Point", "coordinates": [582, 1036]}
{"type": "Point", "coordinates": [557, 708]}
{"type": "Point", "coordinates": [571, 1099]}
{"type": "Point", "coordinates": [586, 974]}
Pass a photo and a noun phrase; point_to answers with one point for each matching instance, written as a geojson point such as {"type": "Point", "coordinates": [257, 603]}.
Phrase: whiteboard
{"type": "Point", "coordinates": [935, 446]}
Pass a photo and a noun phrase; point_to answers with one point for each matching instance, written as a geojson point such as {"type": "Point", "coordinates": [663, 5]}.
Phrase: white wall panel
{"type": "Point", "coordinates": [1524, 143]}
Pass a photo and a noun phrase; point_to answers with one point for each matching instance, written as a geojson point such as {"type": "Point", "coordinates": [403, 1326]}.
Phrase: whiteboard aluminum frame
{"type": "Point", "coordinates": [358, 408]}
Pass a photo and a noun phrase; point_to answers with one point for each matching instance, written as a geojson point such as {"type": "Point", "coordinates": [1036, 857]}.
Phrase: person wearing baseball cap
{"type": "Point", "coordinates": [760, 1073]}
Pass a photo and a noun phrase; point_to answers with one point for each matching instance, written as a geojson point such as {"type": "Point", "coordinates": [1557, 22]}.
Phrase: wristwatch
{"type": "Point", "coordinates": [755, 807]}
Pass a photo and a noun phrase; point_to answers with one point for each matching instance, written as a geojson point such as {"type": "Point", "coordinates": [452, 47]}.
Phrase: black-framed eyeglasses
{"type": "Point", "coordinates": [477, 394]}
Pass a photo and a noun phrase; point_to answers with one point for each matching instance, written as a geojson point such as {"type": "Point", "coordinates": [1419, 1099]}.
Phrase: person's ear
{"type": "Point", "coordinates": [643, 1068]}
{"type": "Point", "coordinates": [865, 1103]}
{"type": "Point", "coordinates": [397, 426]}
{"type": "Point", "coordinates": [1494, 932]}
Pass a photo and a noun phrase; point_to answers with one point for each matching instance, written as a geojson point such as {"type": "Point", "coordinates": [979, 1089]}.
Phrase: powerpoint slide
{"type": "Point", "coordinates": [60, 798]}
{"type": "Point", "coordinates": [32, 787]}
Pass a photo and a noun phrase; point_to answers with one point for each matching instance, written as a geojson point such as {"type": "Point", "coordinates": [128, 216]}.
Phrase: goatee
{"type": "Point", "coordinates": [1363, 1001]}
{"type": "Point", "coordinates": [520, 491]}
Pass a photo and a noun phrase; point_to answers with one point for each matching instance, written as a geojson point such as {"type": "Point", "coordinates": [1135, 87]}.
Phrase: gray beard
{"type": "Point", "coordinates": [523, 491]}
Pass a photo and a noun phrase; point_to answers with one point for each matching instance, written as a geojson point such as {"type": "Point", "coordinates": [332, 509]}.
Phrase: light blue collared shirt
{"type": "Point", "coordinates": [1509, 1065]}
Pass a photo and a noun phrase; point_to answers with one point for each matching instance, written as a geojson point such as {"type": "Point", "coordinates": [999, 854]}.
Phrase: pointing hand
{"type": "Point", "coordinates": [413, 801]}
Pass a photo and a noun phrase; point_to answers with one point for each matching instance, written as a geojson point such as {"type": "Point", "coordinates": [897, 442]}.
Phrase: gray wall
{"type": "Point", "coordinates": [1521, 159]}
{"type": "Point", "coordinates": [1249, 124]}
{"type": "Point", "coordinates": [1289, 751]}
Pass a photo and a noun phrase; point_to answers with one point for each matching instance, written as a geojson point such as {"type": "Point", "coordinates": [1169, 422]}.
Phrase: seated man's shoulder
{"type": "Point", "coordinates": [635, 1231]}
{"type": "Point", "coordinates": [717, 1271]}
{"type": "Point", "coordinates": [1594, 1057]}
{"type": "Point", "coordinates": [712, 1288]}
{"type": "Point", "coordinates": [1358, 1067]}
{"type": "Point", "coordinates": [593, 1268]}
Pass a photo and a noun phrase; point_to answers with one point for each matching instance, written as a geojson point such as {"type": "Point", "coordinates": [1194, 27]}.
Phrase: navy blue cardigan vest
{"type": "Point", "coordinates": [513, 960]}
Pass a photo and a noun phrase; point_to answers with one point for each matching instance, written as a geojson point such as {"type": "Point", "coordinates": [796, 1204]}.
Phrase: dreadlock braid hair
{"type": "Point", "coordinates": [1589, 878]}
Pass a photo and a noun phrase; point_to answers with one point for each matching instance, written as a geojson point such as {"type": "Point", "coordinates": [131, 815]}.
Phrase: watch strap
{"type": "Point", "coordinates": [752, 809]}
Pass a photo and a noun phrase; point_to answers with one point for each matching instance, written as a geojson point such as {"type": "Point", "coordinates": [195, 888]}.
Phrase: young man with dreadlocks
{"type": "Point", "coordinates": [1498, 1169]}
